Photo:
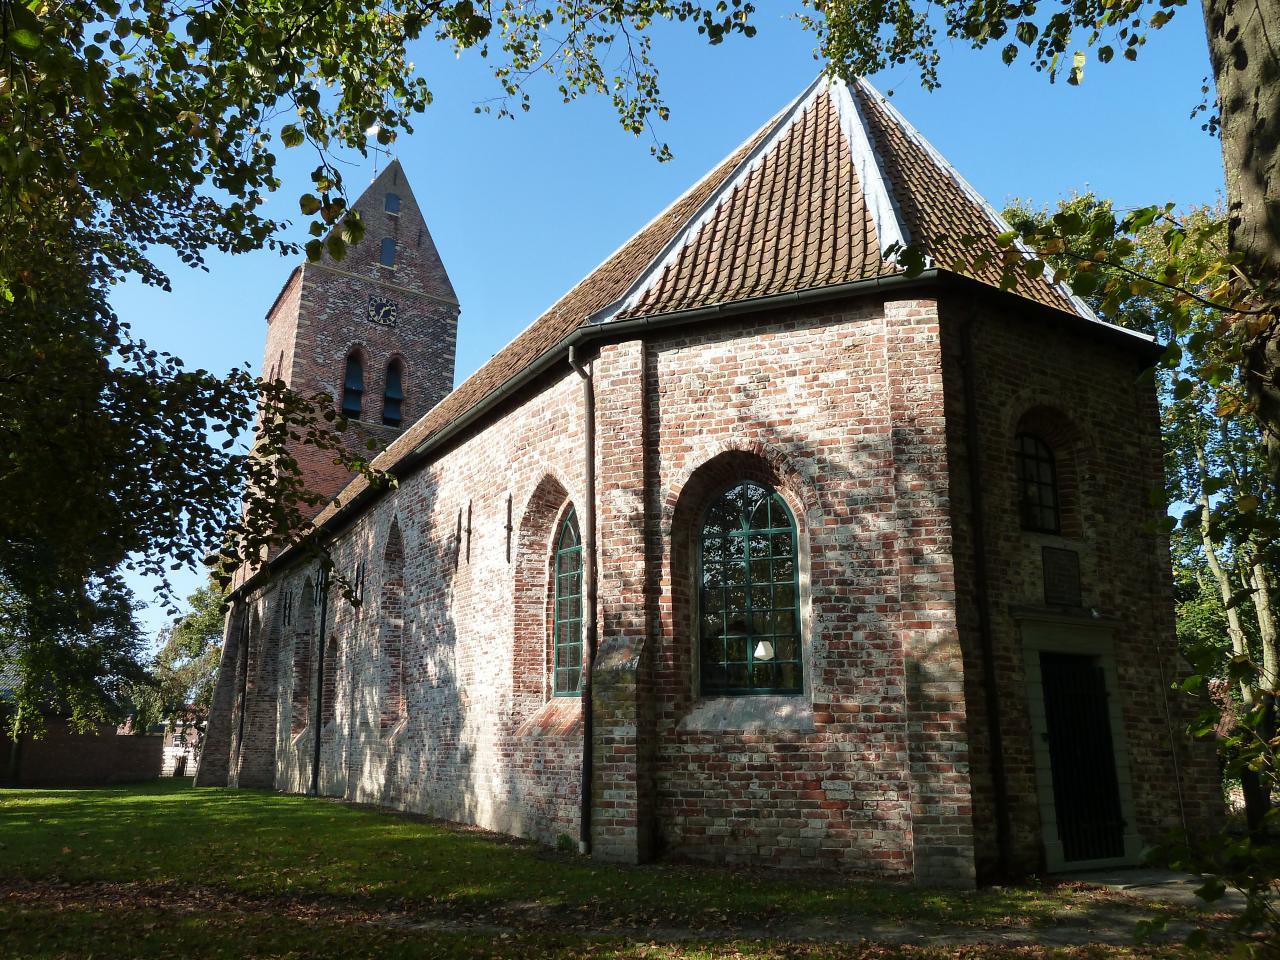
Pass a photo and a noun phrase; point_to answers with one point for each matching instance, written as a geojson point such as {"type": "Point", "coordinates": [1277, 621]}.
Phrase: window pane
{"type": "Point", "coordinates": [567, 628]}
{"type": "Point", "coordinates": [748, 544]}
{"type": "Point", "coordinates": [760, 572]}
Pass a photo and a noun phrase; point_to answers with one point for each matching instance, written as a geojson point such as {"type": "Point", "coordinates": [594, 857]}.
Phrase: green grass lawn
{"type": "Point", "coordinates": [165, 870]}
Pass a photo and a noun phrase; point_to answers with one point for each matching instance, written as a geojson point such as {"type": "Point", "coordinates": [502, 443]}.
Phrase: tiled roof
{"type": "Point", "coordinates": [600, 288]}
{"type": "Point", "coordinates": [793, 220]}
{"type": "Point", "coordinates": [938, 206]}
{"type": "Point", "coordinates": [818, 197]}
{"type": "Point", "coordinates": [842, 179]}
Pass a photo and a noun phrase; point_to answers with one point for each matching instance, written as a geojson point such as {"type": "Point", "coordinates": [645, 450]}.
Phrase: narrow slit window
{"type": "Point", "coordinates": [353, 387]}
{"type": "Point", "coordinates": [567, 613]}
{"type": "Point", "coordinates": [388, 255]}
{"type": "Point", "coordinates": [393, 396]}
{"type": "Point", "coordinates": [1038, 498]}
{"type": "Point", "coordinates": [748, 591]}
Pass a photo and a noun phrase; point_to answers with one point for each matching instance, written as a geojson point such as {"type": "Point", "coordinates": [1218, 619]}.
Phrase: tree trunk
{"type": "Point", "coordinates": [1263, 604]}
{"type": "Point", "coordinates": [1235, 629]}
{"type": "Point", "coordinates": [1262, 600]}
{"type": "Point", "coordinates": [1244, 50]}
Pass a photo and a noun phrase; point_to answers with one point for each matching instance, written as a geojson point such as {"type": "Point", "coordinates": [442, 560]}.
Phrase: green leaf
{"type": "Point", "coordinates": [26, 39]}
{"type": "Point", "coordinates": [291, 135]}
{"type": "Point", "coordinates": [309, 204]}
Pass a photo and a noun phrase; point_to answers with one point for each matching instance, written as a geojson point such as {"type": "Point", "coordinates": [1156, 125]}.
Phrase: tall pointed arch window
{"type": "Point", "coordinates": [353, 387]}
{"type": "Point", "coordinates": [749, 616]}
{"type": "Point", "coordinates": [567, 611]}
{"type": "Point", "coordinates": [1038, 496]}
{"type": "Point", "coordinates": [393, 395]}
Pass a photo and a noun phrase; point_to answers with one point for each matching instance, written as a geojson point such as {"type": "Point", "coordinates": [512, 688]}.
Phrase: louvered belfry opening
{"type": "Point", "coordinates": [393, 396]}
{"type": "Point", "coordinates": [1086, 791]}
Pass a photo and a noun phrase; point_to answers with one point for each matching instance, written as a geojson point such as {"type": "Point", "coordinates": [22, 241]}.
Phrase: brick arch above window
{"type": "Point", "coordinates": [533, 594]}
{"type": "Point", "coordinates": [762, 459]}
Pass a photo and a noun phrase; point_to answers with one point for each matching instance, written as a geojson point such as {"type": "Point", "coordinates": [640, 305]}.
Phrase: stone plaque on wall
{"type": "Point", "coordinates": [1061, 577]}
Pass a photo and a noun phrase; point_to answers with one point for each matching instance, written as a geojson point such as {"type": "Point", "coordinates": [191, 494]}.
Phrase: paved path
{"type": "Point", "coordinates": [1167, 886]}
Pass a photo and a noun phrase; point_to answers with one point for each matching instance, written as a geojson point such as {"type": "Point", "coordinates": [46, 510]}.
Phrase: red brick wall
{"type": "Point", "coordinates": [64, 758]}
{"type": "Point", "coordinates": [1084, 395]}
{"type": "Point", "coordinates": [852, 412]}
{"type": "Point", "coordinates": [840, 411]}
{"type": "Point", "coordinates": [322, 316]}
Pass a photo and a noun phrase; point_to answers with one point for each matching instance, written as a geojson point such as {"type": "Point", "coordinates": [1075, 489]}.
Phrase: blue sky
{"type": "Point", "coordinates": [522, 209]}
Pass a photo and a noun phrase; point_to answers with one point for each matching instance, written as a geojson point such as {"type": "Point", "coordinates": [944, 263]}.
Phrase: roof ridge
{"type": "Point", "coordinates": [777, 126]}
{"type": "Point", "coordinates": [971, 192]}
{"type": "Point", "coordinates": [882, 203]}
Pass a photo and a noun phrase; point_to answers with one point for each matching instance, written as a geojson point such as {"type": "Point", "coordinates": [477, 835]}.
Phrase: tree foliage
{"type": "Point", "coordinates": [185, 667]}
{"type": "Point", "coordinates": [127, 127]}
{"type": "Point", "coordinates": [1224, 516]}
{"type": "Point", "coordinates": [76, 648]}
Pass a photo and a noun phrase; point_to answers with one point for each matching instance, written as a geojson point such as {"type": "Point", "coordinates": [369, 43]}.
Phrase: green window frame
{"type": "Point", "coordinates": [566, 648]}
{"type": "Point", "coordinates": [748, 595]}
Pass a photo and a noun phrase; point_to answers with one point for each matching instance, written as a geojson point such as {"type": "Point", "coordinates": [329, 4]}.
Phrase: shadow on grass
{"type": "Point", "coordinates": [297, 848]}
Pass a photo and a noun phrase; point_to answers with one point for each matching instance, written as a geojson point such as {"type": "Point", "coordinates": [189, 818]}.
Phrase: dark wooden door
{"type": "Point", "coordinates": [1086, 791]}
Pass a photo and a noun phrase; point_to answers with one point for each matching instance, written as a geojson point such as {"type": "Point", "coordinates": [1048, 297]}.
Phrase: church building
{"type": "Point", "coordinates": [752, 549]}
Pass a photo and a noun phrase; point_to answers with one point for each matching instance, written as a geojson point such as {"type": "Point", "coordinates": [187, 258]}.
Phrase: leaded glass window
{"type": "Point", "coordinates": [748, 611]}
{"type": "Point", "coordinates": [1038, 485]}
{"type": "Point", "coordinates": [567, 619]}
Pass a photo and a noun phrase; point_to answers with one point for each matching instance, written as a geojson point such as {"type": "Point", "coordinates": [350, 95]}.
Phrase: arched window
{"type": "Point", "coordinates": [353, 387]}
{"type": "Point", "coordinates": [387, 256]}
{"type": "Point", "coordinates": [567, 614]}
{"type": "Point", "coordinates": [302, 644]}
{"type": "Point", "coordinates": [748, 611]}
{"type": "Point", "coordinates": [1038, 500]}
{"type": "Point", "coordinates": [391, 629]}
{"type": "Point", "coordinates": [393, 395]}
{"type": "Point", "coordinates": [391, 204]}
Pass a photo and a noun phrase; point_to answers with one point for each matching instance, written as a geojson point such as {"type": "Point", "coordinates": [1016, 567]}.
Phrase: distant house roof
{"type": "Point", "coordinates": [821, 196]}
{"type": "Point", "coordinates": [8, 673]}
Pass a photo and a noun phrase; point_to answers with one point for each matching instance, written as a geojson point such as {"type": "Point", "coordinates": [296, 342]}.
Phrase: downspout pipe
{"type": "Point", "coordinates": [589, 626]}
{"type": "Point", "coordinates": [244, 690]}
{"type": "Point", "coordinates": [322, 589]}
{"type": "Point", "coordinates": [982, 600]}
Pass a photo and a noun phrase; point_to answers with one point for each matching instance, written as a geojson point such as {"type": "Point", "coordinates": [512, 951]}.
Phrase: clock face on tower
{"type": "Point", "coordinates": [382, 311]}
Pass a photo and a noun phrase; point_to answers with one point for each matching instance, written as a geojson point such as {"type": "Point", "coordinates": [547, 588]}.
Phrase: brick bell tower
{"type": "Point", "coordinates": [376, 331]}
